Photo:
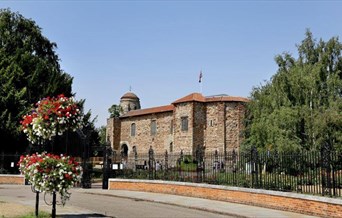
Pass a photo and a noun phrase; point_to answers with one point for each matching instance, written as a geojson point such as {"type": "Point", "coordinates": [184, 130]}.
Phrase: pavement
{"type": "Point", "coordinates": [217, 207]}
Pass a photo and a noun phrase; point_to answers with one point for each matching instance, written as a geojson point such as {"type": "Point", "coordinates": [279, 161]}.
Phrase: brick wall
{"type": "Point", "coordinates": [311, 205]}
{"type": "Point", "coordinates": [12, 179]}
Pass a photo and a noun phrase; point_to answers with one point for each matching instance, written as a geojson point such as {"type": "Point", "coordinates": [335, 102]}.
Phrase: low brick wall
{"type": "Point", "coordinates": [12, 179]}
{"type": "Point", "coordinates": [305, 204]}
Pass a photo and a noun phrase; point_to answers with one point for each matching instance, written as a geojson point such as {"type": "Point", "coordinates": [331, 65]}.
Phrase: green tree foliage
{"type": "Point", "coordinates": [29, 71]}
{"type": "Point", "coordinates": [114, 111]}
{"type": "Point", "coordinates": [300, 107]}
{"type": "Point", "coordinates": [102, 135]}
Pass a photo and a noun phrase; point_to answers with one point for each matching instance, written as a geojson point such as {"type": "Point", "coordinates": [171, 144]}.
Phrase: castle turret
{"type": "Point", "coordinates": [128, 102]}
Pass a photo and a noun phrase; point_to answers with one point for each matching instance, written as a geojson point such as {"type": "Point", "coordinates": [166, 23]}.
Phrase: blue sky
{"type": "Point", "coordinates": [159, 47]}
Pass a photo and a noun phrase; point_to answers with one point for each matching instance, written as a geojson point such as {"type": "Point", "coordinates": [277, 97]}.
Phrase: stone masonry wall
{"type": "Point", "coordinates": [143, 138]}
{"type": "Point", "coordinates": [110, 131]}
{"type": "Point", "coordinates": [214, 135]}
{"type": "Point", "coordinates": [199, 124]}
{"type": "Point", "coordinates": [116, 134]}
{"type": "Point", "coordinates": [183, 140]}
{"type": "Point", "coordinates": [113, 132]}
{"type": "Point", "coordinates": [215, 125]}
{"type": "Point", "coordinates": [234, 123]}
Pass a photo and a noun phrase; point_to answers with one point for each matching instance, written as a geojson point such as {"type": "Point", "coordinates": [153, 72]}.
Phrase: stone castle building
{"type": "Point", "coordinates": [213, 122]}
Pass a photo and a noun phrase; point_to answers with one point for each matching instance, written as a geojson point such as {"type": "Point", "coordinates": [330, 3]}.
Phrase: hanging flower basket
{"type": "Point", "coordinates": [52, 116]}
{"type": "Point", "coordinates": [51, 173]}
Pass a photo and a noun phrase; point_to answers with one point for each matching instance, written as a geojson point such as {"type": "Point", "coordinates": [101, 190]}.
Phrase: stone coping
{"type": "Point", "coordinates": [337, 201]}
{"type": "Point", "coordinates": [11, 175]}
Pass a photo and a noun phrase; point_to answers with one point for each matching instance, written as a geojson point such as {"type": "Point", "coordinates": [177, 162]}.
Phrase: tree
{"type": "Point", "coordinates": [300, 107]}
{"type": "Point", "coordinates": [29, 71]}
{"type": "Point", "coordinates": [114, 111]}
{"type": "Point", "coordinates": [102, 135]}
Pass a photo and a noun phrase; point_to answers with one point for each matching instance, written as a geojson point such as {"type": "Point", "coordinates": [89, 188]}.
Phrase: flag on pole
{"type": "Point", "coordinates": [200, 77]}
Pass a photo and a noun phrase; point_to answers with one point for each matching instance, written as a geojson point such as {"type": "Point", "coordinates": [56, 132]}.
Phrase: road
{"type": "Point", "coordinates": [92, 205]}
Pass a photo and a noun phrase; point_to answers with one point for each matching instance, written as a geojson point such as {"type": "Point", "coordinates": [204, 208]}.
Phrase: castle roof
{"type": "Point", "coordinates": [152, 110]}
{"type": "Point", "coordinates": [130, 95]}
{"type": "Point", "coordinates": [226, 98]}
{"type": "Point", "coordinates": [214, 98]}
{"type": "Point", "coordinates": [194, 97]}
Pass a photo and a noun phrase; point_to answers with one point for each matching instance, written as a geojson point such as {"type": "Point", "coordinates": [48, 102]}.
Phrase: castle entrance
{"type": "Point", "coordinates": [124, 151]}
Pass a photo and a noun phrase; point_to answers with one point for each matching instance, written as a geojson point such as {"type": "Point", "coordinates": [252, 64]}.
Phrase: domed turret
{"type": "Point", "coordinates": [128, 102]}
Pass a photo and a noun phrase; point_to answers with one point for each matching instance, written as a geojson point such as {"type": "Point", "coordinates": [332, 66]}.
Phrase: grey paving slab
{"type": "Point", "coordinates": [97, 202]}
{"type": "Point", "coordinates": [199, 203]}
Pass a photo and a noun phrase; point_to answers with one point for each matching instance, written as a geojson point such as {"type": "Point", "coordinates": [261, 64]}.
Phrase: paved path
{"type": "Point", "coordinates": [96, 202]}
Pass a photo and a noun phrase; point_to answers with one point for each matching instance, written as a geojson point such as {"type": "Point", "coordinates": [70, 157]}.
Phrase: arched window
{"type": "Point", "coordinates": [171, 127]}
{"type": "Point", "coordinates": [133, 129]}
{"type": "Point", "coordinates": [153, 127]}
{"type": "Point", "coordinates": [171, 147]}
{"type": "Point", "coordinates": [184, 123]}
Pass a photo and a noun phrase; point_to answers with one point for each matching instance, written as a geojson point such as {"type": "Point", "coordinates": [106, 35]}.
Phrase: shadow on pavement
{"type": "Point", "coordinates": [92, 215]}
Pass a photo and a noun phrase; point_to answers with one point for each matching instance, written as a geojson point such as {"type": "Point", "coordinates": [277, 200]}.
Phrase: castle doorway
{"type": "Point", "coordinates": [124, 150]}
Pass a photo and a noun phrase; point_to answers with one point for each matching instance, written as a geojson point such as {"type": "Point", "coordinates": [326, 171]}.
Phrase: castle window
{"type": "Point", "coordinates": [171, 147]}
{"type": "Point", "coordinates": [153, 127]}
{"type": "Point", "coordinates": [211, 123]}
{"type": "Point", "coordinates": [171, 127]}
{"type": "Point", "coordinates": [133, 129]}
{"type": "Point", "coordinates": [184, 123]}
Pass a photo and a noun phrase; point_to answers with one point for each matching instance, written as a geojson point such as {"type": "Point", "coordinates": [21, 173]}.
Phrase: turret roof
{"type": "Point", "coordinates": [130, 95]}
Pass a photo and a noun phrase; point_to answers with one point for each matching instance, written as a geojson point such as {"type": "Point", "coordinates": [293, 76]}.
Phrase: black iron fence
{"type": "Point", "coordinates": [8, 163]}
{"type": "Point", "coordinates": [316, 172]}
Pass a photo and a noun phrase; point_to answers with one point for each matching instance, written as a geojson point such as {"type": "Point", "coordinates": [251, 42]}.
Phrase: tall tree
{"type": "Point", "coordinates": [102, 134]}
{"type": "Point", "coordinates": [300, 107]}
{"type": "Point", "coordinates": [29, 70]}
{"type": "Point", "coordinates": [114, 111]}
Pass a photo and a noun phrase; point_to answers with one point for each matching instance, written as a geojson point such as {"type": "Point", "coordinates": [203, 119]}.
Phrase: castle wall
{"type": "Point", "coordinates": [128, 104]}
{"type": "Point", "coordinates": [143, 138]}
{"type": "Point", "coordinates": [199, 124]}
{"type": "Point", "coordinates": [113, 132]}
{"type": "Point", "coordinates": [215, 131]}
{"type": "Point", "coordinates": [183, 140]}
{"type": "Point", "coordinates": [234, 124]}
{"type": "Point", "coordinates": [110, 131]}
{"type": "Point", "coordinates": [216, 124]}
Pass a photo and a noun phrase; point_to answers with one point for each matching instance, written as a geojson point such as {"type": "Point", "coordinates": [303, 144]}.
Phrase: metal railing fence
{"type": "Point", "coordinates": [309, 172]}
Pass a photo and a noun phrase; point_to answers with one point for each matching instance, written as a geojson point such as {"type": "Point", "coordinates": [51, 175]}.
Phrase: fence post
{"type": "Point", "coordinates": [166, 161]}
{"type": "Point", "coordinates": [326, 169]}
{"type": "Point", "coordinates": [234, 166]}
{"type": "Point", "coordinates": [166, 165]}
{"type": "Point", "coordinates": [216, 160]}
{"type": "Point", "coordinates": [254, 167]}
{"type": "Point", "coordinates": [180, 160]}
{"type": "Point", "coordinates": [200, 163]}
{"type": "Point", "coordinates": [106, 166]}
{"type": "Point", "coordinates": [2, 160]}
{"type": "Point", "coordinates": [135, 160]}
{"type": "Point", "coordinates": [150, 163]}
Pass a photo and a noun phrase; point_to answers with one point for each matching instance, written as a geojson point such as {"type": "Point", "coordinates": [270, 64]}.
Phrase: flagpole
{"type": "Point", "coordinates": [200, 80]}
{"type": "Point", "coordinates": [201, 87]}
